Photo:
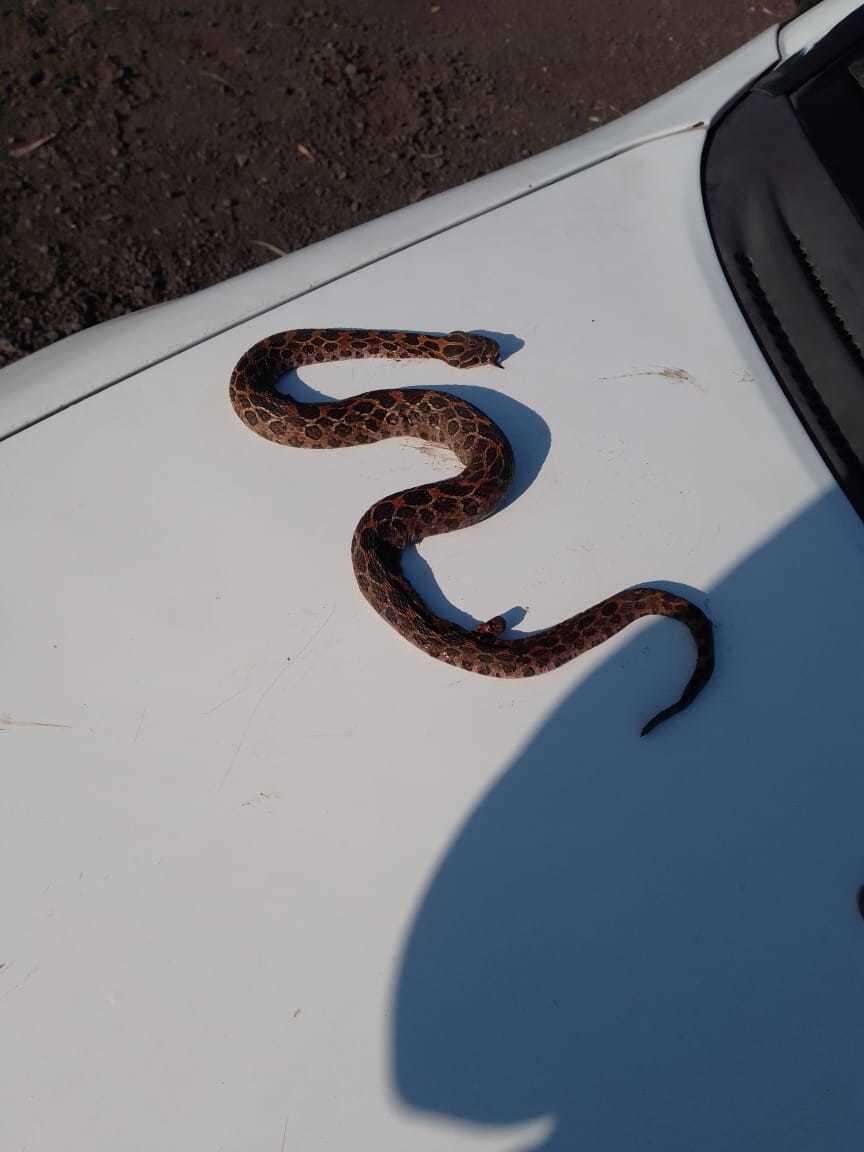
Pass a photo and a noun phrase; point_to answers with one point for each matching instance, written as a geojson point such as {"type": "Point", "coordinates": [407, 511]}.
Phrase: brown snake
{"type": "Point", "coordinates": [405, 518]}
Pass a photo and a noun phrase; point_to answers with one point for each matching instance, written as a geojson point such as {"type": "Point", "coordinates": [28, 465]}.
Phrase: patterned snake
{"type": "Point", "coordinates": [405, 518]}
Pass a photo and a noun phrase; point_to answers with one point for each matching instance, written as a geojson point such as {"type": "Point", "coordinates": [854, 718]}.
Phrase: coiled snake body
{"type": "Point", "coordinates": [405, 518]}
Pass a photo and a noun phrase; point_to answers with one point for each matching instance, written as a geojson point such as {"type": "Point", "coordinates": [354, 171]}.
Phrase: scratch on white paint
{"type": "Point", "coordinates": [666, 373]}
{"type": "Point", "coordinates": [315, 635]}
{"type": "Point", "coordinates": [227, 700]}
{"type": "Point", "coordinates": [252, 715]}
{"type": "Point", "coordinates": [11, 722]}
{"type": "Point", "coordinates": [282, 670]}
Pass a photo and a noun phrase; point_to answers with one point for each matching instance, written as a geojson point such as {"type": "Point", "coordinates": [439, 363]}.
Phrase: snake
{"type": "Point", "coordinates": [403, 519]}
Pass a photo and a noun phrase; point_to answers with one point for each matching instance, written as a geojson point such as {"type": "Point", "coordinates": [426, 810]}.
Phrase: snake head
{"type": "Point", "coordinates": [470, 349]}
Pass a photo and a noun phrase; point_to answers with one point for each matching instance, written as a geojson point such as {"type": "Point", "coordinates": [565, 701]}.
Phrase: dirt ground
{"type": "Point", "coordinates": [151, 148]}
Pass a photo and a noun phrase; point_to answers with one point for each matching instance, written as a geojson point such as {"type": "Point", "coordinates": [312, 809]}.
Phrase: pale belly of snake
{"type": "Point", "coordinates": [405, 518]}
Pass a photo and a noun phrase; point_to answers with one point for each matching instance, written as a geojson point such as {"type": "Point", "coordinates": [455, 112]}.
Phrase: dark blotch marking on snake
{"type": "Point", "coordinates": [406, 518]}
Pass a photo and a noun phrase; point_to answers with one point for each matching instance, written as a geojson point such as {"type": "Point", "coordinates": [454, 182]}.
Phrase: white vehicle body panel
{"type": "Point", "coordinates": [275, 879]}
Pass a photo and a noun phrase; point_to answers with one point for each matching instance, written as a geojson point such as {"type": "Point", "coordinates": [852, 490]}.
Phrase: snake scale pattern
{"type": "Point", "coordinates": [405, 518]}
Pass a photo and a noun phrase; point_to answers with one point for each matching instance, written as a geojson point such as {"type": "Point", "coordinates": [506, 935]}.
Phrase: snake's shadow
{"type": "Point", "coordinates": [654, 944]}
{"type": "Point", "coordinates": [527, 432]}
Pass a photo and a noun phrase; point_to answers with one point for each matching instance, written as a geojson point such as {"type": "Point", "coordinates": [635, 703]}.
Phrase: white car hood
{"type": "Point", "coordinates": [275, 875]}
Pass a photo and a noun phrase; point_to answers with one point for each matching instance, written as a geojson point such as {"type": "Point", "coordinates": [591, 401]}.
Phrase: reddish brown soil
{"type": "Point", "coordinates": [180, 140]}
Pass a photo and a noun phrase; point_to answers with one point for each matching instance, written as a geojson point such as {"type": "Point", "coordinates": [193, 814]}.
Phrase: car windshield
{"type": "Point", "coordinates": [784, 193]}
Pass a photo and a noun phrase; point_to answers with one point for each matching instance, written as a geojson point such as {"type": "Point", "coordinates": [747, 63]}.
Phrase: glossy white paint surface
{"type": "Point", "coordinates": [91, 360]}
{"type": "Point", "coordinates": [800, 34]}
{"type": "Point", "coordinates": [274, 879]}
